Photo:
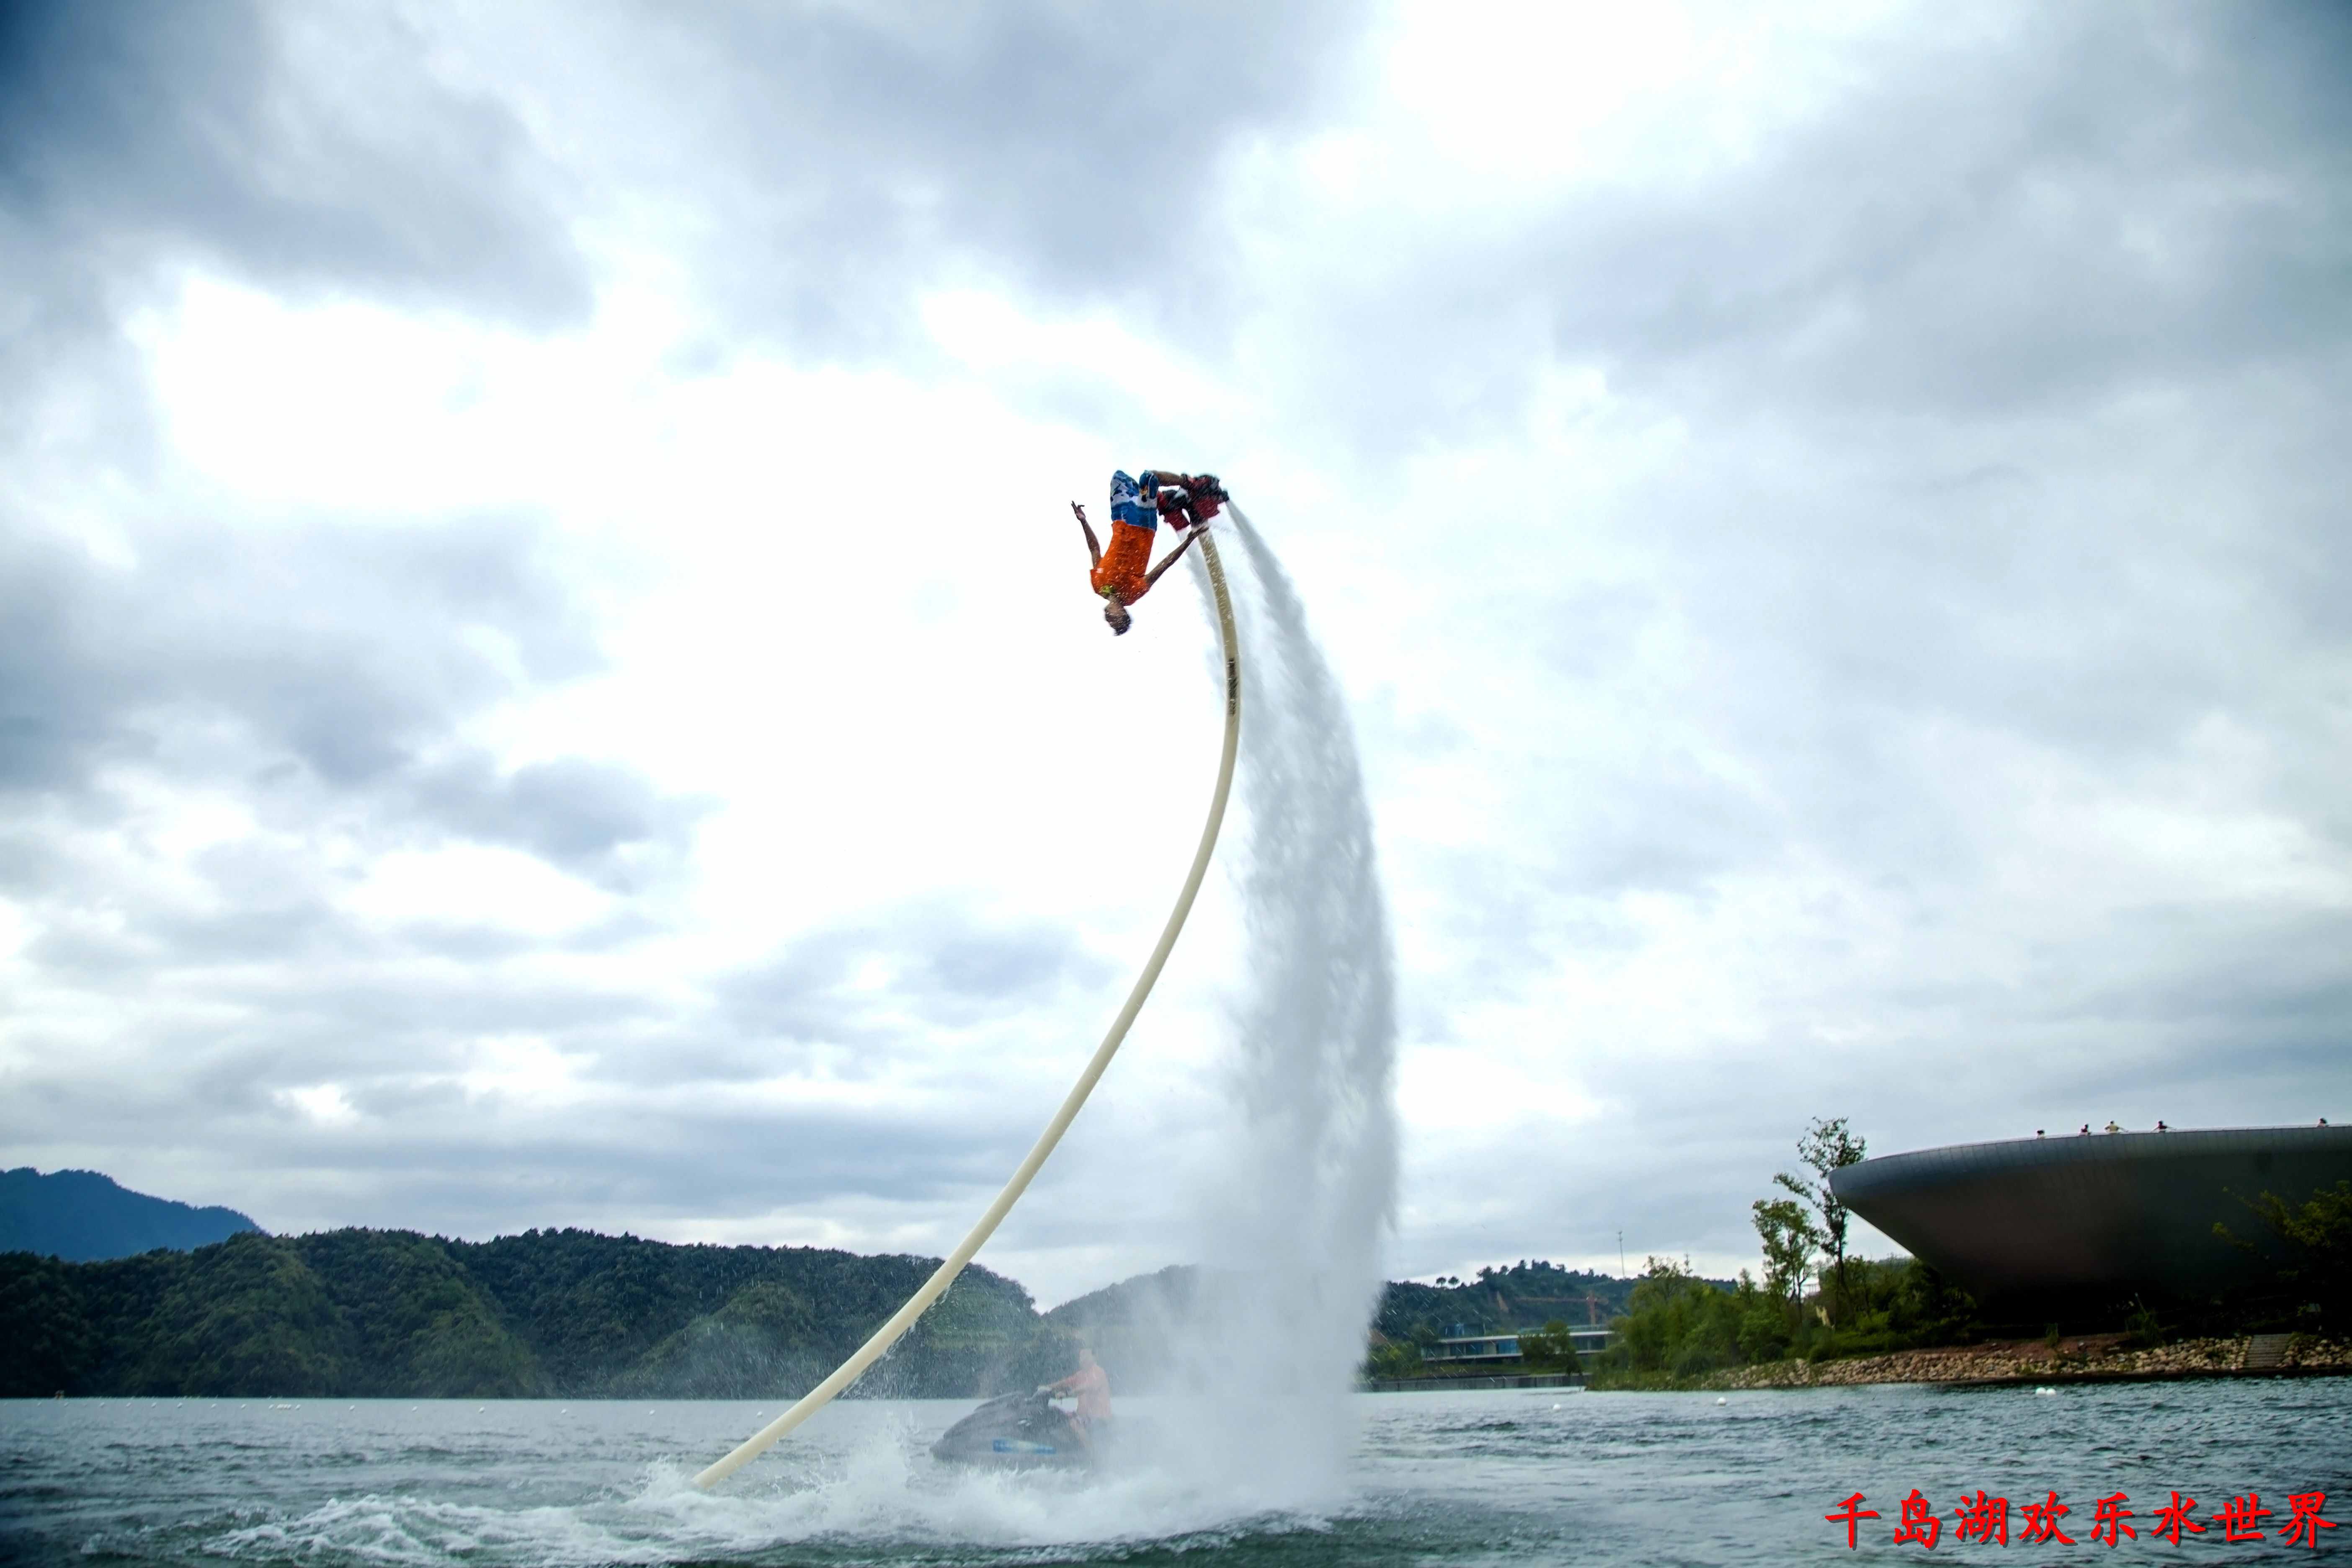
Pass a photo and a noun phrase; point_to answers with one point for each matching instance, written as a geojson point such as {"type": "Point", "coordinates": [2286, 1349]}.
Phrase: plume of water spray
{"type": "Point", "coordinates": [1258, 1354]}
{"type": "Point", "coordinates": [1294, 1218]}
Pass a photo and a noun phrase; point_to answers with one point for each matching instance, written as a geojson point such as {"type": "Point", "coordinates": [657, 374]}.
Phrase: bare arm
{"type": "Point", "coordinates": [1093, 547]}
{"type": "Point", "coordinates": [1173, 554]}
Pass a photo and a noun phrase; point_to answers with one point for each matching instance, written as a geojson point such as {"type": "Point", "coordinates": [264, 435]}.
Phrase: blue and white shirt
{"type": "Point", "coordinates": [1131, 504]}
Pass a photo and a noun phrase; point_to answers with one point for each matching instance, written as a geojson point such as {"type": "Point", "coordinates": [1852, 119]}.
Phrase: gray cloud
{"type": "Point", "coordinates": [229, 1028]}
{"type": "Point", "coordinates": [940, 968]}
{"type": "Point", "coordinates": [2105, 197]}
{"type": "Point", "coordinates": [2043, 212]}
{"type": "Point", "coordinates": [601, 820]}
{"type": "Point", "coordinates": [431, 1154]}
{"type": "Point", "coordinates": [316, 660]}
{"type": "Point", "coordinates": [1077, 153]}
{"type": "Point", "coordinates": [137, 132]}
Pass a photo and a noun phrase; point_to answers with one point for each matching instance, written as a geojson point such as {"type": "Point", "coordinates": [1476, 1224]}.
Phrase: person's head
{"type": "Point", "coordinates": [1116, 614]}
{"type": "Point", "coordinates": [1085, 1358]}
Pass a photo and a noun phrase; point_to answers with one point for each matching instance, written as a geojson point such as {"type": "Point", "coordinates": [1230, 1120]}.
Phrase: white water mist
{"type": "Point", "coordinates": [1293, 1219]}
{"type": "Point", "coordinates": [1250, 1364]}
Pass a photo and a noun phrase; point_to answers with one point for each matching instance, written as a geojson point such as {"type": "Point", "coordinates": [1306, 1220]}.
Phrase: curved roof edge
{"type": "Point", "coordinates": [1889, 1172]}
{"type": "Point", "coordinates": [2108, 1216]}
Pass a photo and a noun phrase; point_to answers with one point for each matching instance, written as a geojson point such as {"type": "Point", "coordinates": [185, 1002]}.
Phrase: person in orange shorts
{"type": "Point", "coordinates": [1124, 574]}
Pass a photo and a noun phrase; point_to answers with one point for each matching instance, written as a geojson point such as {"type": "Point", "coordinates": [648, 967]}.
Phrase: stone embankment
{"type": "Point", "coordinates": [1469, 1385]}
{"type": "Point", "coordinates": [2091, 1358]}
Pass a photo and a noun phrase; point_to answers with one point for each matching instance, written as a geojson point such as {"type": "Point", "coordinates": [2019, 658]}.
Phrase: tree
{"type": "Point", "coordinates": [1790, 1238]}
{"type": "Point", "coordinates": [1550, 1344]}
{"type": "Point", "coordinates": [1677, 1324]}
{"type": "Point", "coordinates": [2311, 1255]}
{"type": "Point", "coordinates": [1826, 1148]}
{"type": "Point", "coordinates": [46, 1342]}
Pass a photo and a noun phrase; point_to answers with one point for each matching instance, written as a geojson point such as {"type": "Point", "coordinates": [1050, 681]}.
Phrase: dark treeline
{"type": "Point", "coordinates": [1675, 1326]}
{"type": "Point", "coordinates": [366, 1313]}
{"type": "Point", "coordinates": [1501, 1300]}
{"type": "Point", "coordinates": [369, 1313]}
{"type": "Point", "coordinates": [573, 1315]}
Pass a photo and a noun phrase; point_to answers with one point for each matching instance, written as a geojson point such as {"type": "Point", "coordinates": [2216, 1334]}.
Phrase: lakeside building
{"type": "Point", "coordinates": [1467, 1347]}
{"type": "Point", "coordinates": [2096, 1219]}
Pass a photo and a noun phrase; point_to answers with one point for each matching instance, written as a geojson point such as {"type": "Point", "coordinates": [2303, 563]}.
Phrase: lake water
{"type": "Point", "coordinates": [1523, 1477]}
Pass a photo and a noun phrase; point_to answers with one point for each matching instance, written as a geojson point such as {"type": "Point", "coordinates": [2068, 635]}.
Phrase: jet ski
{"type": "Point", "coordinates": [1015, 1432]}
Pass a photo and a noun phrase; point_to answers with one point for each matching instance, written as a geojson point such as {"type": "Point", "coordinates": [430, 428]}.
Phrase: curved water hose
{"type": "Point", "coordinates": [886, 1336]}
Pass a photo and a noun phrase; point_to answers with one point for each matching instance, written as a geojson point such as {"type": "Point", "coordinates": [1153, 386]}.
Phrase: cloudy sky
{"type": "Point", "coordinates": [546, 676]}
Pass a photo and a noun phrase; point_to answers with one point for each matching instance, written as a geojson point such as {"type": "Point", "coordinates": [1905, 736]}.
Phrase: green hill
{"type": "Point", "coordinates": [83, 1216]}
{"type": "Point", "coordinates": [361, 1314]}
{"type": "Point", "coordinates": [1132, 1326]}
{"type": "Point", "coordinates": [1525, 1295]}
{"type": "Point", "coordinates": [573, 1315]}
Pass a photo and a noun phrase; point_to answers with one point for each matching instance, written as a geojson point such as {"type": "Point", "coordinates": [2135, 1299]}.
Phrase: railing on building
{"type": "Point", "coordinates": [1505, 1347]}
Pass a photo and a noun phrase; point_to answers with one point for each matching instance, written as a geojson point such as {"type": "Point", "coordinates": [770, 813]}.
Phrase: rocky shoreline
{"type": "Point", "coordinates": [2089, 1358]}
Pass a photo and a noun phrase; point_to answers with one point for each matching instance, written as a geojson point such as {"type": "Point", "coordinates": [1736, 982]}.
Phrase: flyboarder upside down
{"type": "Point", "coordinates": [1124, 574]}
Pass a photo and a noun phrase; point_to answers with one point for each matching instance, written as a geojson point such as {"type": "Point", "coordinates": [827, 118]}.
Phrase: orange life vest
{"type": "Point", "coordinates": [1125, 568]}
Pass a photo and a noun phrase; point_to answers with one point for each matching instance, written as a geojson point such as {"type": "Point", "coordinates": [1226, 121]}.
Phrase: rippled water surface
{"type": "Point", "coordinates": [1518, 1478]}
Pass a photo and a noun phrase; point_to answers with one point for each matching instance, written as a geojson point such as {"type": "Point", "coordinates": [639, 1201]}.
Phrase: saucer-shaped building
{"type": "Point", "coordinates": [2094, 1220]}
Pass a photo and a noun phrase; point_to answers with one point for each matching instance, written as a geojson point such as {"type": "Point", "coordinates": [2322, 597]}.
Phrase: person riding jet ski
{"type": "Point", "coordinates": [1015, 1432]}
{"type": "Point", "coordinates": [1091, 1386]}
{"type": "Point", "coordinates": [1028, 1432]}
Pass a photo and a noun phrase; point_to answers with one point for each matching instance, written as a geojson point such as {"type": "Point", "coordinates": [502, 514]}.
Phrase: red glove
{"type": "Point", "coordinates": [1206, 496]}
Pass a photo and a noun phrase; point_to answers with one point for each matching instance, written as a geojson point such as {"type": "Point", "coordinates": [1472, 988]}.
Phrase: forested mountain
{"type": "Point", "coordinates": [1138, 1302]}
{"type": "Point", "coordinates": [1500, 1300]}
{"type": "Point", "coordinates": [1134, 1327]}
{"type": "Point", "coordinates": [82, 1216]}
{"type": "Point", "coordinates": [573, 1315]}
{"type": "Point", "coordinates": [361, 1314]}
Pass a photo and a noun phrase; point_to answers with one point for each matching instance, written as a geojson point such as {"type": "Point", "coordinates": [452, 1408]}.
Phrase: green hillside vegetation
{"type": "Point", "coordinates": [1538, 1299]}
{"type": "Point", "coordinates": [2304, 1280]}
{"type": "Point", "coordinates": [573, 1315]}
{"type": "Point", "coordinates": [1500, 1300]}
{"type": "Point", "coordinates": [1134, 1326]}
{"type": "Point", "coordinates": [365, 1313]}
{"type": "Point", "coordinates": [1677, 1329]}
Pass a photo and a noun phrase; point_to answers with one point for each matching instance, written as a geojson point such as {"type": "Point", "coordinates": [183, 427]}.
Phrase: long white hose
{"type": "Point", "coordinates": [886, 1336]}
